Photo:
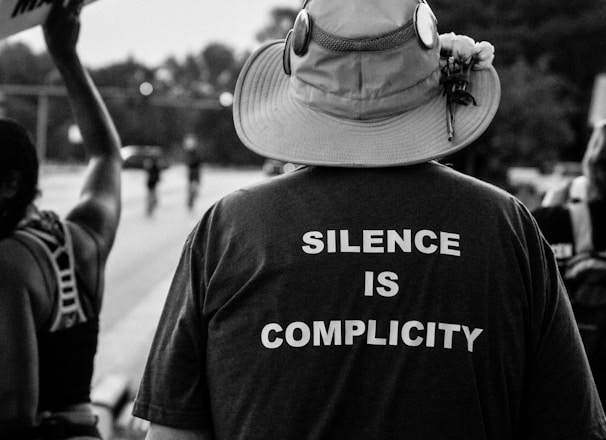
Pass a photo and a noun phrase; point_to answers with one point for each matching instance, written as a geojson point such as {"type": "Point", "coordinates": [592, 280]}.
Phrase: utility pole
{"type": "Point", "coordinates": [42, 126]}
{"type": "Point", "coordinates": [2, 105]}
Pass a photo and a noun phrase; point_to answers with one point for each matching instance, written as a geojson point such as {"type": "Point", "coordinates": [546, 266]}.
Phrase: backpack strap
{"type": "Point", "coordinates": [582, 230]}
{"type": "Point", "coordinates": [59, 252]}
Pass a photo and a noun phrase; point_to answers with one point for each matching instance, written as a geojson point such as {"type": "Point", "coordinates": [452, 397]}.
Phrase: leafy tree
{"type": "Point", "coordinates": [532, 126]}
{"type": "Point", "coordinates": [19, 65]}
{"type": "Point", "coordinates": [548, 54]}
{"type": "Point", "coordinates": [219, 62]}
{"type": "Point", "coordinates": [564, 37]}
{"type": "Point", "coordinates": [280, 22]}
{"type": "Point", "coordinates": [189, 78]}
{"type": "Point", "coordinates": [534, 115]}
{"type": "Point", "coordinates": [216, 130]}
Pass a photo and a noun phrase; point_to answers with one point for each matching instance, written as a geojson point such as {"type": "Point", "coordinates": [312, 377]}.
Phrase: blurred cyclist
{"type": "Point", "coordinates": [152, 168]}
{"type": "Point", "coordinates": [193, 162]}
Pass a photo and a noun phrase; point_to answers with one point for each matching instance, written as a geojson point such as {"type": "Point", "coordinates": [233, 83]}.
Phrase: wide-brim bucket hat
{"type": "Point", "coordinates": [357, 84]}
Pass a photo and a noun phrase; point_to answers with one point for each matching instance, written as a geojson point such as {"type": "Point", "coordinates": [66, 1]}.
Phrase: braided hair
{"type": "Point", "coordinates": [17, 159]}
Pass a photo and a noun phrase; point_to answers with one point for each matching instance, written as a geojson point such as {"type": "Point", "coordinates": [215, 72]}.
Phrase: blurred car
{"type": "Point", "coordinates": [133, 156]}
{"type": "Point", "coordinates": [274, 167]}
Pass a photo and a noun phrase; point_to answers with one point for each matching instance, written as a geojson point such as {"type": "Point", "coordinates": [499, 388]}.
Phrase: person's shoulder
{"type": "Point", "coordinates": [23, 284]}
{"type": "Point", "coordinates": [11, 250]}
{"type": "Point", "coordinates": [471, 189]}
{"type": "Point", "coordinates": [15, 263]}
{"type": "Point", "coordinates": [18, 263]}
{"type": "Point", "coordinates": [250, 203]}
{"type": "Point", "coordinates": [27, 249]}
{"type": "Point", "coordinates": [488, 204]}
{"type": "Point", "coordinates": [265, 190]}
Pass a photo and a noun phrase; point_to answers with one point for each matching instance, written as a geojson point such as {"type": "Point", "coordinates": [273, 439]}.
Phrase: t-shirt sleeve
{"type": "Point", "coordinates": [561, 399]}
{"type": "Point", "coordinates": [173, 390]}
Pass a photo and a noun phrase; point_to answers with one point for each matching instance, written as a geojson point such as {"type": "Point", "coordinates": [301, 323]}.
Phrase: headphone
{"type": "Point", "coordinates": [298, 38]}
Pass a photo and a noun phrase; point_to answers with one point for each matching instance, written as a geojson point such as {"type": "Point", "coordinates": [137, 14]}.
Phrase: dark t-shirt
{"type": "Point", "coordinates": [409, 302]}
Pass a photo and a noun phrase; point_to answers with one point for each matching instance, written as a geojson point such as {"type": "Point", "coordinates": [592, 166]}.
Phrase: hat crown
{"type": "Point", "coordinates": [364, 73]}
{"type": "Point", "coordinates": [364, 91]}
{"type": "Point", "coordinates": [360, 19]}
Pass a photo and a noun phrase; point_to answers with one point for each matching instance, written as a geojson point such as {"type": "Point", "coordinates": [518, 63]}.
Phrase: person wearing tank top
{"type": "Point", "coordinates": [51, 269]}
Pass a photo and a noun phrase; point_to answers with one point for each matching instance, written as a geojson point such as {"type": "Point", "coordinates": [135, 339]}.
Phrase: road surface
{"type": "Point", "coordinates": [144, 256]}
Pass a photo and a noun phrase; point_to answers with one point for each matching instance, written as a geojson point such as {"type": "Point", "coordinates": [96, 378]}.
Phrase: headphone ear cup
{"type": "Point", "coordinates": [425, 24]}
{"type": "Point", "coordinates": [301, 33]}
{"type": "Point", "coordinates": [286, 52]}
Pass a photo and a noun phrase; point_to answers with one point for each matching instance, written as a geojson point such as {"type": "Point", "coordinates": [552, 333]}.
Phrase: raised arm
{"type": "Point", "coordinates": [98, 208]}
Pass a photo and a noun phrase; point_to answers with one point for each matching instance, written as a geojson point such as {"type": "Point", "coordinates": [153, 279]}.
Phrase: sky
{"type": "Point", "coordinates": [152, 30]}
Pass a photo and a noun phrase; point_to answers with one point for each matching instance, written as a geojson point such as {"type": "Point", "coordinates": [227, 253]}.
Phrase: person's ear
{"type": "Point", "coordinates": [10, 184]}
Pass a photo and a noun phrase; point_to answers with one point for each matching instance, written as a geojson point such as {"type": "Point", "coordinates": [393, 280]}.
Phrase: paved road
{"type": "Point", "coordinates": [144, 256]}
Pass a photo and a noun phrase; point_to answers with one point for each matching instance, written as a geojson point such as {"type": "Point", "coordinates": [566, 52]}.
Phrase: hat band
{"type": "Point", "coordinates": [388, 41]}
{"type": "Point", "coordinates": [366, 109]}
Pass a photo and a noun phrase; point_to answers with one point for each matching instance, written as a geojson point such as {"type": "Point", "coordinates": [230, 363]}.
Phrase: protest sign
{"type": "Point", "coordinates": [19, 15]}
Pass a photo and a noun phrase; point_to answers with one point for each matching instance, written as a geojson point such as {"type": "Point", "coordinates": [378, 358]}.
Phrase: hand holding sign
{"type": "Point", "coordinates": [62, 28]}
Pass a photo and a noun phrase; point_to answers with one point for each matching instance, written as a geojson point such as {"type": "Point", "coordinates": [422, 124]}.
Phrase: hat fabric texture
{"type": "Point", "coordinates": [364, 94]}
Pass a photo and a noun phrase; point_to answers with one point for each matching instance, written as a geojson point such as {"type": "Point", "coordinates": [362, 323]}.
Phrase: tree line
{"type": "Point", "coordinates": [548, 53]}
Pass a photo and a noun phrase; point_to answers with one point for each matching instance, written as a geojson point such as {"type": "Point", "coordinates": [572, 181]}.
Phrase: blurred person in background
{"type": "Point", "coordinates": [52, 269]}
{"type": "Point", "coordinates": [151, 165]}
{"type": "Point", "coordinates": [594, 165]}
{"type": "Point", "coordinates": [575, 226]}
{"type": "Point", "coordinates": [586, 186]}
{"type": "Point", "coordinates": [373, 293]}
{"type": "Point", "coordinates": [193, 162]}
{"type": "Point", "coordinates": [574, 190]}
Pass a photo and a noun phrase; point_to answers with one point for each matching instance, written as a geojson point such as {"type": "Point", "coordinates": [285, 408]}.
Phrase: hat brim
{"type": "Point", "coordinates": [270, 122]}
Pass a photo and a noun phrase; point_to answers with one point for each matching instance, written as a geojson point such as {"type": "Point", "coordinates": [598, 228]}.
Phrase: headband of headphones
{"type": "Point", "coordinates": [423, 26]}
